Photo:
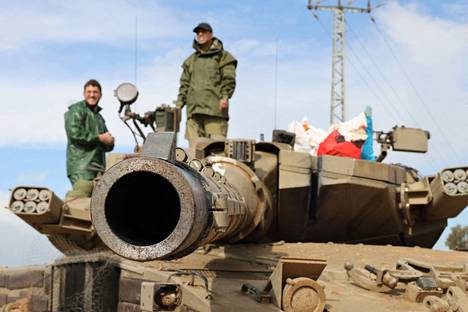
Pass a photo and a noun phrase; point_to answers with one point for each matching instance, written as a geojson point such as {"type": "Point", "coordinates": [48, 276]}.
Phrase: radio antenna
{"type": "Point", "coordinates": [136, 52]}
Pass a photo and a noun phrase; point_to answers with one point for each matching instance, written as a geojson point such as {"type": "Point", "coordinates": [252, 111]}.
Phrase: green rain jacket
{"type": "Point", "coordinates": [83, 125]}
{"type": "Point", "coordinates": [207, 77]}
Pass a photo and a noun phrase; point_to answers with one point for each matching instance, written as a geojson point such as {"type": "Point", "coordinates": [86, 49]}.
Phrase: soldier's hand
{"type": "Point", "coordinates": [223, 104]}
{"type": "Point", "coordinates": [106, 138]}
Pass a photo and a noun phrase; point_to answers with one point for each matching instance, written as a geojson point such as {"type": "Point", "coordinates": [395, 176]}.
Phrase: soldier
{"type": "Point", "coordinates": [207, 83]}
{"type": "Point", "coordinates": [88, 138]}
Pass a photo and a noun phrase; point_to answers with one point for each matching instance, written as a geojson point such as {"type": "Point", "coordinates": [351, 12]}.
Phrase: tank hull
{"type": "Point", "coordinates": [210, 280]}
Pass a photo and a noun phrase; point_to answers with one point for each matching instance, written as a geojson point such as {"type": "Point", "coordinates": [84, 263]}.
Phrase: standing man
{"type": "Point", "coordinates": [207, 83]}
{"type": "Point", "coordinates": [88, 138]}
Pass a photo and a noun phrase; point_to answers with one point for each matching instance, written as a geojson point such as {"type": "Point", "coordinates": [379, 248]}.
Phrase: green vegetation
{"type": "Point", "coordinates": [458, 238]}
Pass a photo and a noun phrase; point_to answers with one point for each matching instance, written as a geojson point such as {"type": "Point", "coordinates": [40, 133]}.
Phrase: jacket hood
{"type": "Point", "coordinates": [216, 46]}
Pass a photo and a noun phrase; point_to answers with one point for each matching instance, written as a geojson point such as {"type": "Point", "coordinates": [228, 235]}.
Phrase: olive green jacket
{"type": "Point", "coordinates": [207, 77]}
{"type": "Point", "coordinates": [83, 125]}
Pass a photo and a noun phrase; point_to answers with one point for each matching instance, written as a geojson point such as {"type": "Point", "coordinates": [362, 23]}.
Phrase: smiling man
{"type": "Point", "coordinates": [87, 134]}
{"type": "Point", "coordinates": [207, 83]}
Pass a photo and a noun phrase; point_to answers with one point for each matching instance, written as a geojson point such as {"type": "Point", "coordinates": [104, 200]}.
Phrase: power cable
{"type": "Point", "coordinates": [379, 71]}
{"type": "Point", "coordinates": [430, 162]}
{"type": "Point", "coordinates": [386, 81]}
{"type": "Point", "coordinates": [418, 96]}
{"type": "Point", "coordinates": [400, 117]}
{"type": "Point", "coordinates": [276, 85]}
{"type": "Point", "coordinates": [359, 73]}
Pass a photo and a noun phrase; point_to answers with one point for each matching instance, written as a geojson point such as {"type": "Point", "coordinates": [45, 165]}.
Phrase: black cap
{"type": "Point", "coordinates": [203, 26]}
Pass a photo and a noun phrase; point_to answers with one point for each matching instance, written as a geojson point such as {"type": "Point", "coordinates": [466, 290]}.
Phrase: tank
{"type": "Point", "coordinates": [239, 224]}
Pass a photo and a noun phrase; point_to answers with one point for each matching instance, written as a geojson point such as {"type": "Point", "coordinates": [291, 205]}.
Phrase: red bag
{"type": "Point", "coordinates": [335, 145]}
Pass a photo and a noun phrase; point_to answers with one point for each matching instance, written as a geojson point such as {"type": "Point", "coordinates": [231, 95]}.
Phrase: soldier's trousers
{"type": "Point", "coordinates": [87, 176]}
{"type": "Point", "coordinates": [205, 126]}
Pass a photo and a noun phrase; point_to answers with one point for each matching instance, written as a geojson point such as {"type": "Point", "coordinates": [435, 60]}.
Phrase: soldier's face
{"type": "Point", "coordinates": [204, 36]}
{"type": "Point", "coordinates": [92, 95]}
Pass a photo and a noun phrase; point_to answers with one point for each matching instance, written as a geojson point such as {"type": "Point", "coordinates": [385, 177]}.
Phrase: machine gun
{"type": "Point", "coordinates": [402, 139]}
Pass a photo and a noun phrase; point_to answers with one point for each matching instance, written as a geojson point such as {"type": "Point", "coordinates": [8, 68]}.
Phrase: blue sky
{"type": "Point", "coordinates": [50, 48]}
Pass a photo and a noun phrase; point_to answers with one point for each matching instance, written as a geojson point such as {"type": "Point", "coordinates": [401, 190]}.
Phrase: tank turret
{"type": "Point", "coordinates": [165, 205]}
{"type": "Point", "coordinates": [164, 201]}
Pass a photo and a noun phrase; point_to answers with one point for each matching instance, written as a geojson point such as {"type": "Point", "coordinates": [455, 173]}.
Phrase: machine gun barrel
{"type": "Point", "coordinates": [146, 208]}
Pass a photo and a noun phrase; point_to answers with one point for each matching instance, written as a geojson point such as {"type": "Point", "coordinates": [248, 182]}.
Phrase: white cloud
{"type": "Point", "coordinates": [427, 40]}
{"type": "Point", "coordinates": [34, 113]}
{"type": "Point", "coordinates": [108, 21]}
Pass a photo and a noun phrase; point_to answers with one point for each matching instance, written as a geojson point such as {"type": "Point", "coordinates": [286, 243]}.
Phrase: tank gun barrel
{"type": "Point", "coordinates": [146, 208]}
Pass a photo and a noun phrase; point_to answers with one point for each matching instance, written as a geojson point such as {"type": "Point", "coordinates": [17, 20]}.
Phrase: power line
{"type": "Point", "coordinates": [276, 85]}
{"type": "Point", "coordinates": [379, 71]}
{"type": "Point", "coordinates": [135, 56]}
{"type": "Point", "coordinates": [418, 96]}
{"type": "Point", "coordinates": [430, 161]}
{"type": "Point", "coordinates": [388, 100]}
{"type": "Point", "coordinates": [337, 110]}
{"type": "Point", "coordinates": [135, 65]}
{"type": "Point", "coordinates": [399, 117]}
{"type": "Point", "coordinates": [440, 154]}
{"type": "Point", "coordinates": [359, 73]}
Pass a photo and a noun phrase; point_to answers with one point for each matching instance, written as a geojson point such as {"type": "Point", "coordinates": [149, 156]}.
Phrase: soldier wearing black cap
{"type": "Point", "coordinates": [207, 83]}
{"type": "Point", "coordinates": [203, 26]}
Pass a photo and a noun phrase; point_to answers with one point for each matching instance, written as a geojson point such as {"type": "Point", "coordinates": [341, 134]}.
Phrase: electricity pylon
{"type": "Point", "coordinates": [338, 87]}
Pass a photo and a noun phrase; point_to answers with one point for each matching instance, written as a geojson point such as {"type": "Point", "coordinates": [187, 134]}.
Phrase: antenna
{"type": "Point", "coordinates": [276, 85]}
{"type": "Point", "coordinates": [136, 52]}
{"type": "Point", "coordinates": [338, 87]}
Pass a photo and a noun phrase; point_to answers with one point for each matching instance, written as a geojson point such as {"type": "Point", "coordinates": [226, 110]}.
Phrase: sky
{"type": "Point", "coordinates": [410, 66]}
